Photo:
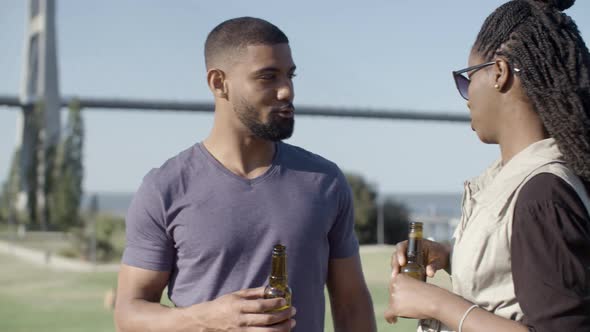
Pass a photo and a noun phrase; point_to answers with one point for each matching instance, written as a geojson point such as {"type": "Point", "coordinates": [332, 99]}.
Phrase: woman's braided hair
{"type": "Point", "coordinates": [545, 44]}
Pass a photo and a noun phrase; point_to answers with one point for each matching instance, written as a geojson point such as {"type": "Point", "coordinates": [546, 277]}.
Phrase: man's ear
{"type": "Point", "coordinates": [216, 80]}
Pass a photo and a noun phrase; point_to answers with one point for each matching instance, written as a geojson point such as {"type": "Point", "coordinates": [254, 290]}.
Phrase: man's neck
{"type": "Point", "coordinates": [241, 153]}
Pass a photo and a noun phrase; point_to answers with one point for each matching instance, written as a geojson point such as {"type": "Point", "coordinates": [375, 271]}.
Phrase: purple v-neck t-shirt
{"type": "Point", "coordinates": [214, 231]}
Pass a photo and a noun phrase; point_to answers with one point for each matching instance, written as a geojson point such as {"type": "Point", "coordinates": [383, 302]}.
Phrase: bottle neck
{"type": "Point", "coordinates": [278, 273]}
{"type": "Point", "coordinates": [414, 251]}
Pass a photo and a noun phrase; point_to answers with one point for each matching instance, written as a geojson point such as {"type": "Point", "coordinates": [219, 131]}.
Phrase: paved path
{"type": "Point", "coordinates": [46, 258]}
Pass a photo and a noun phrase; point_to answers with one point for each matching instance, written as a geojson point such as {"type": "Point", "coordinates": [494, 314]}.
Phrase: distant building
{"type": "Point", "coordinates": [440, 213]}
{"type": "Point", "coordinates": [437, 228]}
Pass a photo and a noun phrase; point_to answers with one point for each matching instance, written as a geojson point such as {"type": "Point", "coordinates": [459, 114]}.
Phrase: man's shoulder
{"type": "Point", "coordinates": [174, 170]}
{"type": "Point", "coordinates": [298, 157]}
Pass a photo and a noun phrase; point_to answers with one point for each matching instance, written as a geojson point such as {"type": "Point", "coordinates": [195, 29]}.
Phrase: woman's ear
{"type": "Point", "coordinates": [501, 75]}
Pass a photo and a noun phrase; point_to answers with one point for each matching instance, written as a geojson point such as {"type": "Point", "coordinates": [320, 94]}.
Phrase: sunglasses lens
{"type": "Point", "coordinates": [462, 83]}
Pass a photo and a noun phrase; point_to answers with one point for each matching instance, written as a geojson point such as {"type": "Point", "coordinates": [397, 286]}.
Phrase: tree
{"type": "Point", "coordinates": [54, 176]}
{"type": "Point", "coordinates": [396, 221]}
{"type": "Point", "coordinates": [33, 172]}
{"type": "Point", "coordinates": [35, 212]}
{"type": "Point", "coordinates": [10, 190]}
{"type": "Point", "coordinates": [68, 173]}
{"type": "Point", "coordinates": [365, 208]}
{"type": "Point", "coordinates": [395, 214]}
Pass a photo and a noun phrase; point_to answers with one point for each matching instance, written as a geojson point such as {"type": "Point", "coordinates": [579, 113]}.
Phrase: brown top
{"type": "Point", "coordinates": [551, 256]}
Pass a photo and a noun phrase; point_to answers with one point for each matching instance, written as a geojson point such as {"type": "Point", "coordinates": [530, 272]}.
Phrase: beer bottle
{"type": "Point", "coordinates": [414, 266]}
{"type": "Point", "coordinates": [277, 282]}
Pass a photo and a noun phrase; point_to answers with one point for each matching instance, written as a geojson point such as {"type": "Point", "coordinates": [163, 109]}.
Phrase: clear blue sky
{"type": "Point", "coordinates": [377, 54]}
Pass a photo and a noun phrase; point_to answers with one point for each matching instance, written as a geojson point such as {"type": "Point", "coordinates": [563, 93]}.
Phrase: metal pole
{"type": "Point", "coordinates": [119, 104]}
{"type": "Point", "coordinates": [92, 219]}
{"type": "Point", "coordinates": [380, 220]}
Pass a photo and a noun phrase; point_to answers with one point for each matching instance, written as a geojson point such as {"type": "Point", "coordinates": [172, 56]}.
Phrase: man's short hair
{"type": "Point", "coordinates": [232, 35]}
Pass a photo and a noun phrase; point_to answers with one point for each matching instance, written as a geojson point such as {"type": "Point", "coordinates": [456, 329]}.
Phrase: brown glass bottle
{"type": "Point", "coordinates": [414, 267]}
{"type": "Point", "coordinates": [278, 282]}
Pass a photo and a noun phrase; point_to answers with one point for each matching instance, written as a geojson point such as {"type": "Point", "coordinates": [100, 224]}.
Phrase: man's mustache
{"type": "Point", "coordinates": [284, 108]}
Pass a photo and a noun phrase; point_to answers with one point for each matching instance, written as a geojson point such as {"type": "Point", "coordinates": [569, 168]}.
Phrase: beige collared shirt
{"type": "Point", "coordinates": [481, 261]}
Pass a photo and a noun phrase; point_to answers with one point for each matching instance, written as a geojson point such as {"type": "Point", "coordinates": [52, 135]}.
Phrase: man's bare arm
{"type": "Point", "coordinates": [352, 308]}
{"type": "Point", "coordinates": [138, 308]}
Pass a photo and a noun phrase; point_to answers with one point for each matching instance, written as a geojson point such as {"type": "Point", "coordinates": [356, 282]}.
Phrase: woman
{"type": "Point", "coordinates": [521, 257]}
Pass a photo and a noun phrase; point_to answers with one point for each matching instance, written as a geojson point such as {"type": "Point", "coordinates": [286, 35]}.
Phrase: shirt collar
{"type": "Point", "coordinates": [501, 181]}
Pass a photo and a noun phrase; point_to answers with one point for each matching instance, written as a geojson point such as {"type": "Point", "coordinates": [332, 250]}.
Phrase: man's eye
{"type": "Point", "coordinates": [267, 77]}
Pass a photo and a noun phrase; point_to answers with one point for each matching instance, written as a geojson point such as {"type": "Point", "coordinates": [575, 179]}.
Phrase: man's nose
{"type": "Point", "coordinates": [285, 92]}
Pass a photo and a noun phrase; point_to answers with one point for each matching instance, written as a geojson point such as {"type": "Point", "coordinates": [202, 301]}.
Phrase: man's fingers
{"type": "Point", "coordinates": [268, 319]}
{"type": "Point", "coordinates": [251, 293]}
{"type": "Point", "coordinates": [261, 305]}
{"type": "Point", "coordinates": [285, 326]}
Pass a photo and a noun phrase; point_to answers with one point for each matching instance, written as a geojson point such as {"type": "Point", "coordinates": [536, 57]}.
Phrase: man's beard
{"type": "Point", "coordinates": [278, 128]}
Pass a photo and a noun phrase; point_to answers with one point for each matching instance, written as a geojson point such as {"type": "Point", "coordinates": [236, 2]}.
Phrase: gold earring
{"type": "Point", "coordinates": [497, 87]}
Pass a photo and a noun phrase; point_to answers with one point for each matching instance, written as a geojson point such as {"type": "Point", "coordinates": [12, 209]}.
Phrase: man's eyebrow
{"type": "Point", "coordinates": [266, 70]}
{"type": "Point", "coordinates": [272, 70]}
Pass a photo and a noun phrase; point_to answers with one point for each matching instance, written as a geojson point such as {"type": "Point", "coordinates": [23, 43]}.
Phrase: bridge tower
{"type": "Point", "coordinates": [39, 121]}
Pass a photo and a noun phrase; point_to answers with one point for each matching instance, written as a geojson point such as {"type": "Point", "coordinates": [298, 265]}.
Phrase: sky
{"type": "Point", "coordinates": [388, 54]}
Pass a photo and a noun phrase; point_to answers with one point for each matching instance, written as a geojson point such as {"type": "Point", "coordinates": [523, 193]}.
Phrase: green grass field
{"type": "Point", "coordinates": [34, 298]}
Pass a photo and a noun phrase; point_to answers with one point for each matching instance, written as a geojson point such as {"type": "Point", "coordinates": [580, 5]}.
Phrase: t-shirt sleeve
{"type": "Point", "coordinates": [551, 256]}
{"type": "Point", "coordinates": [343, 241]}
{"type": "Point", "coordinates": [148, 245]}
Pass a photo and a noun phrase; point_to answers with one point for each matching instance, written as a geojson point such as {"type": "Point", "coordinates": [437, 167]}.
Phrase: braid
{"type": "Point", "coordinates": [555, 70]}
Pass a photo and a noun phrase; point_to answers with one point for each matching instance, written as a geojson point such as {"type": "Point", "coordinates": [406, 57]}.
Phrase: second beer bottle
{"type": "Point", "coordinates": [415, 267]}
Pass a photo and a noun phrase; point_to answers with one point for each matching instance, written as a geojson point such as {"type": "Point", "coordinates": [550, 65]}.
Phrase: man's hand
{"type": "Point", "coordinates": [138, 308]}
{"type": "Point", "coordinates": [244, 310]}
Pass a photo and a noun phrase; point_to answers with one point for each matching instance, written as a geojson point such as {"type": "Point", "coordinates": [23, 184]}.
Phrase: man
{"type": "Point", "coordinates": [205, 222]}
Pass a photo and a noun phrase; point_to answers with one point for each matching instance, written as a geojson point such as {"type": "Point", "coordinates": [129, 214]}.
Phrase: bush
{"type": "Point", "coordinates": [109, 234]}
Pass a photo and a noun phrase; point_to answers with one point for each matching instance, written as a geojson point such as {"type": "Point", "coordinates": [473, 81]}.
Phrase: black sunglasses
{"type": "Point", "coordinates": [462, 81]}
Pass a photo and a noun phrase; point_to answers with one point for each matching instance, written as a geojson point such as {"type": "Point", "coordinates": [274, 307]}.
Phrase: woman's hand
{"type": "Point", "coordinates": [435, 256]}
{"type": "Point", "coordinates": [412, 298]}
